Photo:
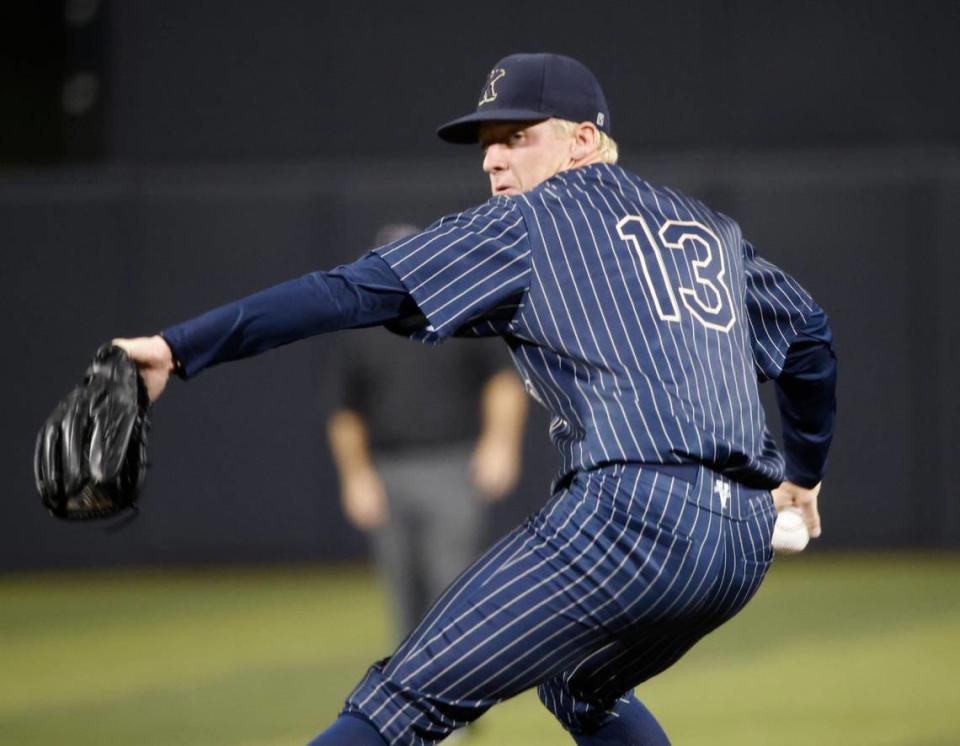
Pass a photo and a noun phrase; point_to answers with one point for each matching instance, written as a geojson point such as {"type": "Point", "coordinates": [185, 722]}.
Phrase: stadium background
{"type": "Point", "coordinates": [160, 158]}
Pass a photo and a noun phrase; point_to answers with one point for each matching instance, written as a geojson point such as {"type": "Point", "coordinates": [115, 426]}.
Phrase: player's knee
{"type": "Point", "coordinates": [596, 720]}
{"type": "Point", "coordinates": [576, 713]}
{"type": "Point", "coordinates": [405, 709]}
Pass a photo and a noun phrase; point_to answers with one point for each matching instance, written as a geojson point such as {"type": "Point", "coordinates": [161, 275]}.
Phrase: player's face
{"type": "Point", "coordinates": [519, 155]}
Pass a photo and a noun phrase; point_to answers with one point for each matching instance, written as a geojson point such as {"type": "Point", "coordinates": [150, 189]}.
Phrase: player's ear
{"type": "Point", "coordinates": [584, 143]}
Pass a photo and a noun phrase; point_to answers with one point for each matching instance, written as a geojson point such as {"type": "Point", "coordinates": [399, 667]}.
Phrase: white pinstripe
{"type": "Point", "coordinates": [628, 585]}
{"type": "Point", "coordinates": [491, 291]}
{"type": "Point", "coordinates": [643, 336]}
{"type": "Point", "coordinates": [673, 331]}
{"type": "Point", "coordinates": [416, 651]}
{"type": "Point", "coordinates": [465, 634]}
{"type": "Point", "coordinates": [603, 363]}
{"type": "Point", "coordinates": [561, 592]}
{"type": "Point", "coordinates": [721, 602]}
{"type": "Point", "coordinates": [728, 429]}
{"type": "Point", "coordinates": [462, 258]}
{"type": "Point", "coordinates": [622, 370]}
{"type": "Point", "coordinates": [559, 337]}
{"type": "Point", "coordinates": [626, 370]}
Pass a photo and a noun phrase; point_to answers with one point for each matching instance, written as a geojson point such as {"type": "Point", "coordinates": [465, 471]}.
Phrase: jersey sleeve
{"type": "Point", "coordinates": [777, 309]}
{"type": "Point", "coordinates": [467, 272]}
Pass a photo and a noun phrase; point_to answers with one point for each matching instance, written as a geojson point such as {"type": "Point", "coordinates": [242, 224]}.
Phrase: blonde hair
{"type": "Point", "coordinates": [606, 145]}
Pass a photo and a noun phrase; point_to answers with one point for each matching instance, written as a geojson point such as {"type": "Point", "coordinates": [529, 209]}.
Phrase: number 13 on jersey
{"type": "Point", "coordinates": [682, 243]}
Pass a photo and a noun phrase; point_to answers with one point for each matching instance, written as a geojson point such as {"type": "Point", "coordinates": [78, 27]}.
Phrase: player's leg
{"type": "Point", "coordinates": [532, 606]}
{"type": "Point", "coordinates": [597, 711]}
{"type": "Point", "coordinates": [349, 730]}
{"type": "Point", "coordinates": [453, 524]}
{"type": "Point", "coordinates": [585, 699]}
{"type": "Point", "coordinates": [632, 723]}
{"type": "Point", "coordinates": [728, 558]}
{"type": "Point", "coordinates": [380, 696]}
{"type": "Point", "coordinates": [593, 699]}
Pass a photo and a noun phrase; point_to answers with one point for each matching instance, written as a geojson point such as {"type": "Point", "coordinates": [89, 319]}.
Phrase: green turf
{"type": "Point", "coordinates": [835, 650]}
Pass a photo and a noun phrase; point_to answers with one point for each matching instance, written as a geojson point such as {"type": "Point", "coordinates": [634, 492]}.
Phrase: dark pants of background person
{"type": "Point", "coordinates": [436, 526]}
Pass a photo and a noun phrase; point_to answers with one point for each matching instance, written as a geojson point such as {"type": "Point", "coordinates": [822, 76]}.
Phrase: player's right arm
{"type": "Point", "coordinates": [790, 495]}
{"type": "Point", "coordinates": [793, 346]}
{"type": "Point", "coordinates": [806, 398]}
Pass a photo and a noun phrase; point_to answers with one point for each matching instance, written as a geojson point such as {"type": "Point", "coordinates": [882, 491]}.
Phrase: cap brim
{"type": "Point", "coordinates": [464, 131]}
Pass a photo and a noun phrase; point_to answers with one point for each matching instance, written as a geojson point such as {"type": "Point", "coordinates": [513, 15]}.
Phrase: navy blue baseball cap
{"type": "Point", "coordinates": [533, 87]}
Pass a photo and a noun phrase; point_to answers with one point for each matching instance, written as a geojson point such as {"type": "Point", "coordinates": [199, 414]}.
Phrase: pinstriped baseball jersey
{"type": "Point", "coordinates": [638, 316]}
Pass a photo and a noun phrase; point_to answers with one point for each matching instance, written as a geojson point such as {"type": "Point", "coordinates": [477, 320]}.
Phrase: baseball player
{"type": "Point", "coordinates": [642, 320]}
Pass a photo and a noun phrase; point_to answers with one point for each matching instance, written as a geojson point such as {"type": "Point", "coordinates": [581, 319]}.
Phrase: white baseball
{"type": "Point", "coordinates": [790, 533]}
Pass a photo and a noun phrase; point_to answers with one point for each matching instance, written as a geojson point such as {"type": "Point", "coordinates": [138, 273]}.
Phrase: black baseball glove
{"type": "Point", "coordinates": [91, 454]}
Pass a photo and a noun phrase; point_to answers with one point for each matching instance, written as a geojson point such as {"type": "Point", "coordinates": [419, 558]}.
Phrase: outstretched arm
{"type": "Point", "coordinates": [472, 267]}
{"type": "Point", "coordinates": [364, 293]}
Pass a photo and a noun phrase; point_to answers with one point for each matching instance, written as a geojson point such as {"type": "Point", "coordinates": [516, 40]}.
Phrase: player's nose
{"type": "Point", "coordinates": [494, 158]}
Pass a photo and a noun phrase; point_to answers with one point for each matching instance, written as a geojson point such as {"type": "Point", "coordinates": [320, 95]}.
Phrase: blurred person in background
{"type": "Point", "coordinates": [423, 443]}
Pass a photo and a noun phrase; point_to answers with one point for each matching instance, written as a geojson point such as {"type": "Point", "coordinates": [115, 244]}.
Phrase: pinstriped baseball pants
{"type": "Point", "coordinates": [610, 583]}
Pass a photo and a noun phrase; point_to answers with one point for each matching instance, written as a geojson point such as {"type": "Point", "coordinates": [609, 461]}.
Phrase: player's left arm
{"type": "Point", "coordinates": [364, 293]}
{"type": "Point", "coordinates": [496, 461]}
{"type": "Point", "coordinates": [437, 280]}
{"type": "Point", "coordinates": [793, 345]}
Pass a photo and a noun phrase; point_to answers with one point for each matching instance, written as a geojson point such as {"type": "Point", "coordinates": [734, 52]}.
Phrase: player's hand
{"type": "Point", "coordinates": [364, 499]}
{"type": "Point", "coordinates": [154, 359]}
{"type": "Point", "coordinates": [495, 467]}
{"type": "Point", "coordinates": [789, 494]}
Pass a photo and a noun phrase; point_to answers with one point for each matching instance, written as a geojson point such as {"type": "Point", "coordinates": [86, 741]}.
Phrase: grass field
{"type": "Point", "coordinates": [834, 650]}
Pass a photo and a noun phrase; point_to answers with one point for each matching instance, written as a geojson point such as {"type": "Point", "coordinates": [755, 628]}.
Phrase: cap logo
{"type": "Point", "coordinates": [600, 119]}
{"type": "Point", "coordinates": [489, 92]}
